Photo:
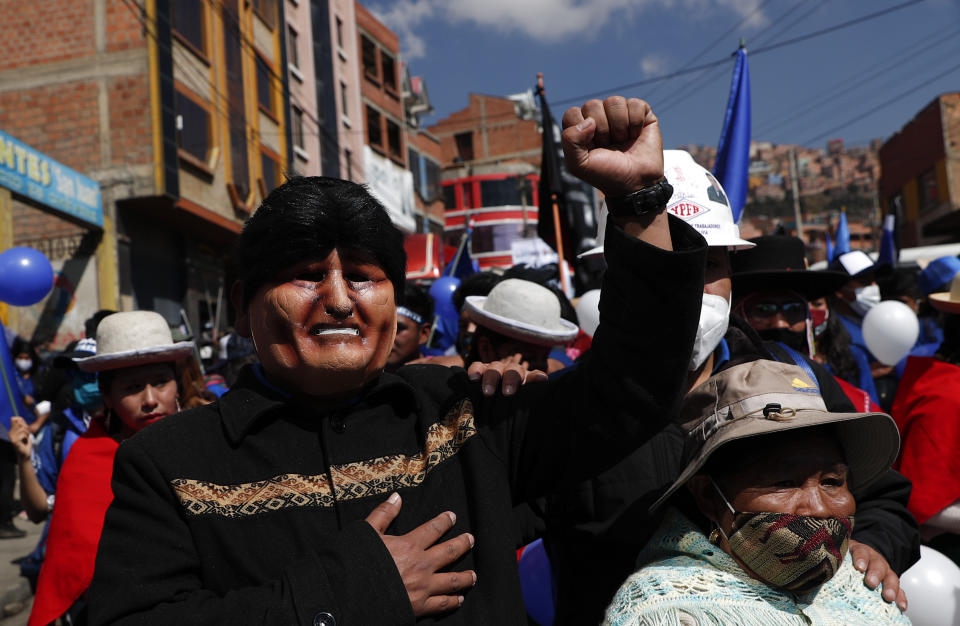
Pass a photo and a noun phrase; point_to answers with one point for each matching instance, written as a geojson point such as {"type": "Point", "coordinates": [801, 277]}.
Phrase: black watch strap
{"type": "Point", "coordinates": [650, 200]}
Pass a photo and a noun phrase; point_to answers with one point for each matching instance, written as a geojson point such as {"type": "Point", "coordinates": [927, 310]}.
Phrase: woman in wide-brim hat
{"type": "Point", "coordinates": [137, 366]}
{"type": "Point", "coordinates": [761, 515]}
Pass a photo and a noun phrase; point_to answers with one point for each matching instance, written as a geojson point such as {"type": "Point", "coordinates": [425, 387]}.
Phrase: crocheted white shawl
{"type": "Point", "coordinates": [684, 580]}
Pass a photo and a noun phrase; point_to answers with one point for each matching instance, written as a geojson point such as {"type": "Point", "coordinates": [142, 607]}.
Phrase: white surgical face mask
{"type": "Point", "coordinates": [714, 318]}
{"type": "Point", "coordinates": [866, 298]}
{"type": "Point", "coordinates": [23, 365]}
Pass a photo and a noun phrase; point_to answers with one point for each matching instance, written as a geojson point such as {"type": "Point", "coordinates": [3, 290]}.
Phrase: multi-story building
{"type": "Point", "coordinates": [384, 152]}
{"type": "Point", "coordinates": [921, 174]}
{"type": "Point", "coordinates": [307, 88]}
{"type": "Point", "coordinates": [491, 154]}
{"type": "Point", "coordinates": [178, 109]}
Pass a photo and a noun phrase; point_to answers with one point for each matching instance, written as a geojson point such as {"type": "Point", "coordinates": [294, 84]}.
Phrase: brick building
{"type": "Point", "coordinates": [921, 174]}
{"type": "Point", "coordinates": [491, 157]}
{"type": "Point", "coordinates": [178, 109]}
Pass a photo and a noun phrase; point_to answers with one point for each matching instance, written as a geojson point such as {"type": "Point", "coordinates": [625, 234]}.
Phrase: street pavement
{"type": "Point", "coordinates": [15, 595]}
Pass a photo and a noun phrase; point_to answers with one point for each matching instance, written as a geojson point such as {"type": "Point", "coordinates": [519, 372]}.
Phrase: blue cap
{"type": "Point", "coordinates": [935, 276]}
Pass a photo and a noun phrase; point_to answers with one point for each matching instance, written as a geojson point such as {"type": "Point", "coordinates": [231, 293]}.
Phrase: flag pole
{"type": "Point", "coordinates": [561, 265]}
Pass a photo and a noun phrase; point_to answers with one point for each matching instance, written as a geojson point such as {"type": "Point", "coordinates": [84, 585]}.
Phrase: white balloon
{"type": "Point", "coordinates": [890, 330]}
{"type": "Point", "coordinates": [932, 586]}
{"type": "Point", "coordinates": [588, 311]}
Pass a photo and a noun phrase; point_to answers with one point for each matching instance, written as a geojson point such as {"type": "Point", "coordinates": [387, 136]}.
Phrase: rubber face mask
{"type": "Point", "coordinates": [714, 319]}
{"type": "Point", "coordinates": [797, 553]}
{"type": "Point", "coordinates": [866, 298]}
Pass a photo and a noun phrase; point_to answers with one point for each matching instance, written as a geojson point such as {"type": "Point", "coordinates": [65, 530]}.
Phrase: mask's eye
{"type": "Point", "coordinates": [357, 277]}
{"type": "Point", "coordinates": [311, 277]}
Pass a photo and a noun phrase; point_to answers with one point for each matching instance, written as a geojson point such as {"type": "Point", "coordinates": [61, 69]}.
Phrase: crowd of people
{"type": "Point", "coordinates": [716, 444]}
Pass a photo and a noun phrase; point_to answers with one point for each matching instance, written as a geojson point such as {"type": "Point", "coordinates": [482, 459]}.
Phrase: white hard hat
{"type": "Point", "coordinates": [697, 198]}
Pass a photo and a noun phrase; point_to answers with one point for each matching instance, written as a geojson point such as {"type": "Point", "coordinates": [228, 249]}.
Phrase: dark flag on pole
{"type": "Point", "coordinates": [733, 153]}
{"type": "Point", "coordinates": [551, 182]}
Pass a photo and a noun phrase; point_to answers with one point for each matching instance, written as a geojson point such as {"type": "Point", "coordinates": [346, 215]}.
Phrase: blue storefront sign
{"type": "Point", "coordinates": [37, 176]}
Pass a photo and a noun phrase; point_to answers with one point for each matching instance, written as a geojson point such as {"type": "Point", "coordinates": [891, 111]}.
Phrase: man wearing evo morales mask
{"type": "Point", "coordinates": [596, 528]}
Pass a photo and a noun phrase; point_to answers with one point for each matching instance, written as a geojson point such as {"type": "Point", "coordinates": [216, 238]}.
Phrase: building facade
{"type": "Point", "coordinates": [178, 109]}
{"type": "Point", "coordinates": [920, 179]}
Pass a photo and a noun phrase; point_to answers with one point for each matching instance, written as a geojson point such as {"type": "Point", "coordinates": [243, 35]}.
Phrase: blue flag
{"type": "Point", "coordinates": [843, 235]}
{"type": "Point", "coordinates": [888, 246]}
{"type": "Point", "coordinates": [11, 400]}
{"type": "Point", "coordinates": [465, 263]}
{"type": "Point", "coordinates": [733, 153]}
{"type": "Point", "coordinates": [826, 234]}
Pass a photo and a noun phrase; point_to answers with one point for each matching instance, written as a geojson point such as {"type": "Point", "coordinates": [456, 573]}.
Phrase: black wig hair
{"type": "Point", "coordinates": [305, 219]}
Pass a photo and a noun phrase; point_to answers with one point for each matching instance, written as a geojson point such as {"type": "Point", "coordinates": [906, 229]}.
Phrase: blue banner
{"type": "Point", "coordinates": [843, 236]}
{"type": "Point", "coordinates": [733, 152]}
{"type": "Point", "coordinates": [11, 400]}
{"type": "Point", "coordinates": [37, 176]}
{"type": "Point", "coordinates": [888, 245]}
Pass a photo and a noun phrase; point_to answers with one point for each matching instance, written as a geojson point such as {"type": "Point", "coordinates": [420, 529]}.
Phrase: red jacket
{"type": "Point", "coordinates": [927, 412]}
{"type": "Point", "coordinates": [83, 495]}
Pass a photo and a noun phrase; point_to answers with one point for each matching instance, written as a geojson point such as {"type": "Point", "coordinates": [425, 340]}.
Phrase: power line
{"type": "Point", "coordinates": [883, 68]}
{"type": "Point", "coordinates": [883, 104]}
{"type": "Point", "coordinates": [784, 29]}
{"type": "Point", "coordinates": [718, 62]}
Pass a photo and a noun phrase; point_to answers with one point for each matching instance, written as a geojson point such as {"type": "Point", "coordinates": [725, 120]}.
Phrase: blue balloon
{"type": "Point", "coordinates": [26, 276]}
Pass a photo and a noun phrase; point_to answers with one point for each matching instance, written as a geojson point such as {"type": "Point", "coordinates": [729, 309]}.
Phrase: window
{"type": "Point", "coordinates": [501, 192]}
{"type": "Point", "coordinates": [348, 157]}
{"type": "Point", "coordinates": [270, 172]}
{"type": "Point", "coordinates": [266, 9]}
{"type": "Point", "coordinates": [368, 55]}
{"type": "Point", "coordinates": [927, 187]}
{"type": "Point", "coordinates": [388, 66]}
{"type": "Point", "coordinates": [187, 21]}
{"type": "Point", "coordinates": [339, 32]}
{"type": "Point", "coordinates": [413, 164]}
{"type": "Point", "coordinates": [464, 146]}
{"type": "Point", "coordinates": [343, 99]}
{"type": "Point", "coordinates": [296, 127]}
{"type": "Point", "coordinates": [431, 175]}
{"type": "Point", "coordinates": [193, 127]}
{"type": "Point", "coordinates": [449, 196]}
{"type": "Point", "coordinates": [393, 139]}
{"type": "Point", "coordinates": [293, 58]}
{"type": "Point", "coordinates": [374, 131]}
{"type": "Point", "coordinates": [264, 86]}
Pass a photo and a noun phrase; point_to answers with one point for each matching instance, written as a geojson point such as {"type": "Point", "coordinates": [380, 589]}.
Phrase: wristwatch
{"type": "Point", "coordinates": [650, 200]}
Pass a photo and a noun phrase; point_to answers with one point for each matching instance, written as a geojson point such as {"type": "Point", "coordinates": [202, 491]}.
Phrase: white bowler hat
{"type": "Point", "coordinates": [698, 199]}
{"type": "Point", "coordinates": [522, 310]}
{"type": "Point", "coordinates": [133, 338]}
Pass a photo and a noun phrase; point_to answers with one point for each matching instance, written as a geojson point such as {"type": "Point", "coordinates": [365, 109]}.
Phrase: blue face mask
{"type": "Point", "coordinates": [86, 391]}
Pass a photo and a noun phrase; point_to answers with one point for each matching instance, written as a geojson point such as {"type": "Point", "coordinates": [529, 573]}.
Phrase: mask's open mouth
{"type": "Point", "coordinates": [332, 331]}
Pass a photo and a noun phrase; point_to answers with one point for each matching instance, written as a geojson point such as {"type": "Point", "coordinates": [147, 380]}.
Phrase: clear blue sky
{"type": "Point", "coordinates": [800, 92]}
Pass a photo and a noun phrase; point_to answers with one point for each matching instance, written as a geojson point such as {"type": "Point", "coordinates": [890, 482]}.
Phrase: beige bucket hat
{"type": "Point", "coordinates": [133, 338]}
{"type": "Point", "coordinates": [522, 310]}
{"type": "Point", "coordinates": [764, 397]}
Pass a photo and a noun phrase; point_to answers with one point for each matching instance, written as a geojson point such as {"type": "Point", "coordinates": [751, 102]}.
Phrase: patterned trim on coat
{"type": "Point", "coordinates": [352, 480]}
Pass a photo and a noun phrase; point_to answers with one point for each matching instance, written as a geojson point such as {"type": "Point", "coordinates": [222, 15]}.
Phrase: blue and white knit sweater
{"type": "Point", "coordinates": [684, 580]}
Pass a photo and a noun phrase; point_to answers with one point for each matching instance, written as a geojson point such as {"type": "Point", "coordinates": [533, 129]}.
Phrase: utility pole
{"type": "Point", "coordinates": [796, 192]}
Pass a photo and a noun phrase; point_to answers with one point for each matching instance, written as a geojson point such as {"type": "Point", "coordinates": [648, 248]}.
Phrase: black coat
{"type": "Point", "coordinates": [595, 528]}
{"type": "Point", "coordinates": [250, 510]}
